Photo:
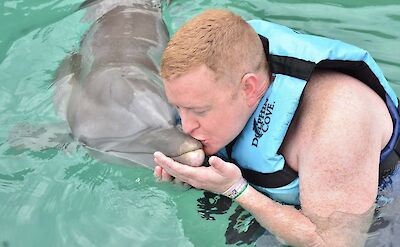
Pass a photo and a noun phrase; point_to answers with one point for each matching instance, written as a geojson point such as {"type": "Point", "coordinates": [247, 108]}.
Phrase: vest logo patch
{"type": "Point", "coordinates": [261, 125]}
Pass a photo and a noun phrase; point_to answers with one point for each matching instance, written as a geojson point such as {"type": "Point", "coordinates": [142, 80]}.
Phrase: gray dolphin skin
{"type": "Point", "coordinates": [110, 92]}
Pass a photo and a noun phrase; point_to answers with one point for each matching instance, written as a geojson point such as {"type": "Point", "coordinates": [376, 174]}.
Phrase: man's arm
{"type": "Point", "coordinates": [338, 143]}
{"type": "Point", "coordinates": [336, 146]}
{"type": "Point", "coordinates": [290, 225]}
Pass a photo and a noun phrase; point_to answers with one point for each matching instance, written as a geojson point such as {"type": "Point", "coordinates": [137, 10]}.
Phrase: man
{"type": "Point", "coordinates": [296, 115]}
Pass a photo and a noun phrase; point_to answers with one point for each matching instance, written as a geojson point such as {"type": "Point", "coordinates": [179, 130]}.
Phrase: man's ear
{"type": "Point", "coordinates": [251, 88]}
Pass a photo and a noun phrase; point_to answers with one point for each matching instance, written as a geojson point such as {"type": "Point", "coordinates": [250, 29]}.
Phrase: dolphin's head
{"type": "Point", "coordinates": [113, 98]}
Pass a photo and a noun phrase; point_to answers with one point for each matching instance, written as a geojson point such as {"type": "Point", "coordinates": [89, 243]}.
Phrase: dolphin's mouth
{"type": "Point", "coordinates": [191, 158]}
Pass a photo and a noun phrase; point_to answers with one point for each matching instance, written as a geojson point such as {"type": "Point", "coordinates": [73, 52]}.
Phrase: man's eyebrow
{"type": "Point", "coordinates": [196, 107]}
{"type": "Point", "coordinates": [202, 108]}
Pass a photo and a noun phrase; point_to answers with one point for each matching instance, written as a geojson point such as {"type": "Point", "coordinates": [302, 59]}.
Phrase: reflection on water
{"type": "Point", "coordinates": [386, 227]}
{"type": "Point", "coordinates": [53, 190]}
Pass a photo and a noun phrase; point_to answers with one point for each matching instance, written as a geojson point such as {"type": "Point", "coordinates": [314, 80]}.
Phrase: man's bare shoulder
{"type": "Point", "coordinates": [330, 88]}
{"type": "Point", "coordinates": [333, 95]}
{"type": "Point", "coordinates": [335, 143]}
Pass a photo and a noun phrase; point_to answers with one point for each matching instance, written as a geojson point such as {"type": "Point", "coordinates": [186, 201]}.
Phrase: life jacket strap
{"type": "Point", "coordinates": [267, 180]}
{"type": "Point", "coordinates": [303, 69]}
{"type": "Point", "coordinates": [392, 160]}
{"type": "Point", "coordinates": [270, 180]}
{"type": "Point", "coordinates": [389, 164]}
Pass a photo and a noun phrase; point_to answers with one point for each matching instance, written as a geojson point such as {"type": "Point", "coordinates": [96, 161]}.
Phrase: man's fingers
{"type": "Point", "coordinates": [165, 162]}
{"type": "Point", "coordinates": [218, 164]}
{"type": "Point", "coordinates": [225, 169]}
{"type": "Point", "coordinates": [172, 167]}
{"type": "Point", "coordinates": [165, 177]}
{"type": "Point", "coordinates": [161, 174]}
{"type": "Point", "coordinates": [157, 172]}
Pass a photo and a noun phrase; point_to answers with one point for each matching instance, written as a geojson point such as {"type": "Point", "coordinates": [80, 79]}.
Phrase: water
{"type": "Point", "coordinates": [52, 193]}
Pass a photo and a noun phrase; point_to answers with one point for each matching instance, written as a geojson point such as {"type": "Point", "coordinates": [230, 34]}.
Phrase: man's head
{"type": "Point", "coordinates": [215, 72]}
{"type": "Point", "coordinates": [219, 39]}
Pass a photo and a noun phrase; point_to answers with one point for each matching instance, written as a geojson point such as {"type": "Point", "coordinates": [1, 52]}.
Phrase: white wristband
{"type": "Point", "coordinates": [236, 189]}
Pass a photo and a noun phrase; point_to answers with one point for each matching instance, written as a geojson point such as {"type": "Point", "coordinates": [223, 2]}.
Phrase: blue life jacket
{"type": "Point", "coordinates": [292, 57]}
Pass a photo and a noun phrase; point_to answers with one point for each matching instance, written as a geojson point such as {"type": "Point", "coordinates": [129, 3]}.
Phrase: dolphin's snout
{"type": "Point", "coordinates": [190, 152]}
{"type": "Point", "coordinates": [182, 147]}
{"type": "Point", "coordinates": [191, 158]}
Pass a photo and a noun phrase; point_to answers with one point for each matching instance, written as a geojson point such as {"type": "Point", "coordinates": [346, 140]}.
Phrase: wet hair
{"type": "Point", "coordinates": [219, 39]}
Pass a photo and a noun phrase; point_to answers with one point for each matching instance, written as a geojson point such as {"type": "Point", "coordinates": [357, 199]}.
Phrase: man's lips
{"type": "Point", "coordinates": [204, 142]}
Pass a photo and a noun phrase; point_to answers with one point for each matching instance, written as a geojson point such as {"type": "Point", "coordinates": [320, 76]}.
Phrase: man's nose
{"type": "Point", "coordinates": [189, 123]}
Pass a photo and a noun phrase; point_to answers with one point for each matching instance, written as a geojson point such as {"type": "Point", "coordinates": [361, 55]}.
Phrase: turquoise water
{"type": "Point", "coordinates": [52, 193]}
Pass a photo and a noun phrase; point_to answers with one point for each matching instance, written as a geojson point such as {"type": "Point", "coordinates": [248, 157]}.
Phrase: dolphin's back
{"type": "Point", "coordinates": [126, 35]}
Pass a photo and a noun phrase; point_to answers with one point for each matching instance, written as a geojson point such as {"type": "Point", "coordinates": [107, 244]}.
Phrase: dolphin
{"type": "Point", "coordinates": [110, 92]}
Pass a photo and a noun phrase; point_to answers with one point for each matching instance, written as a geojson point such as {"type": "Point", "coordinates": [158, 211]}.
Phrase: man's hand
{"type": "Point", "coordinates": [217, 178]}
{"type": "Point", "coordinates": [162, 175]}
